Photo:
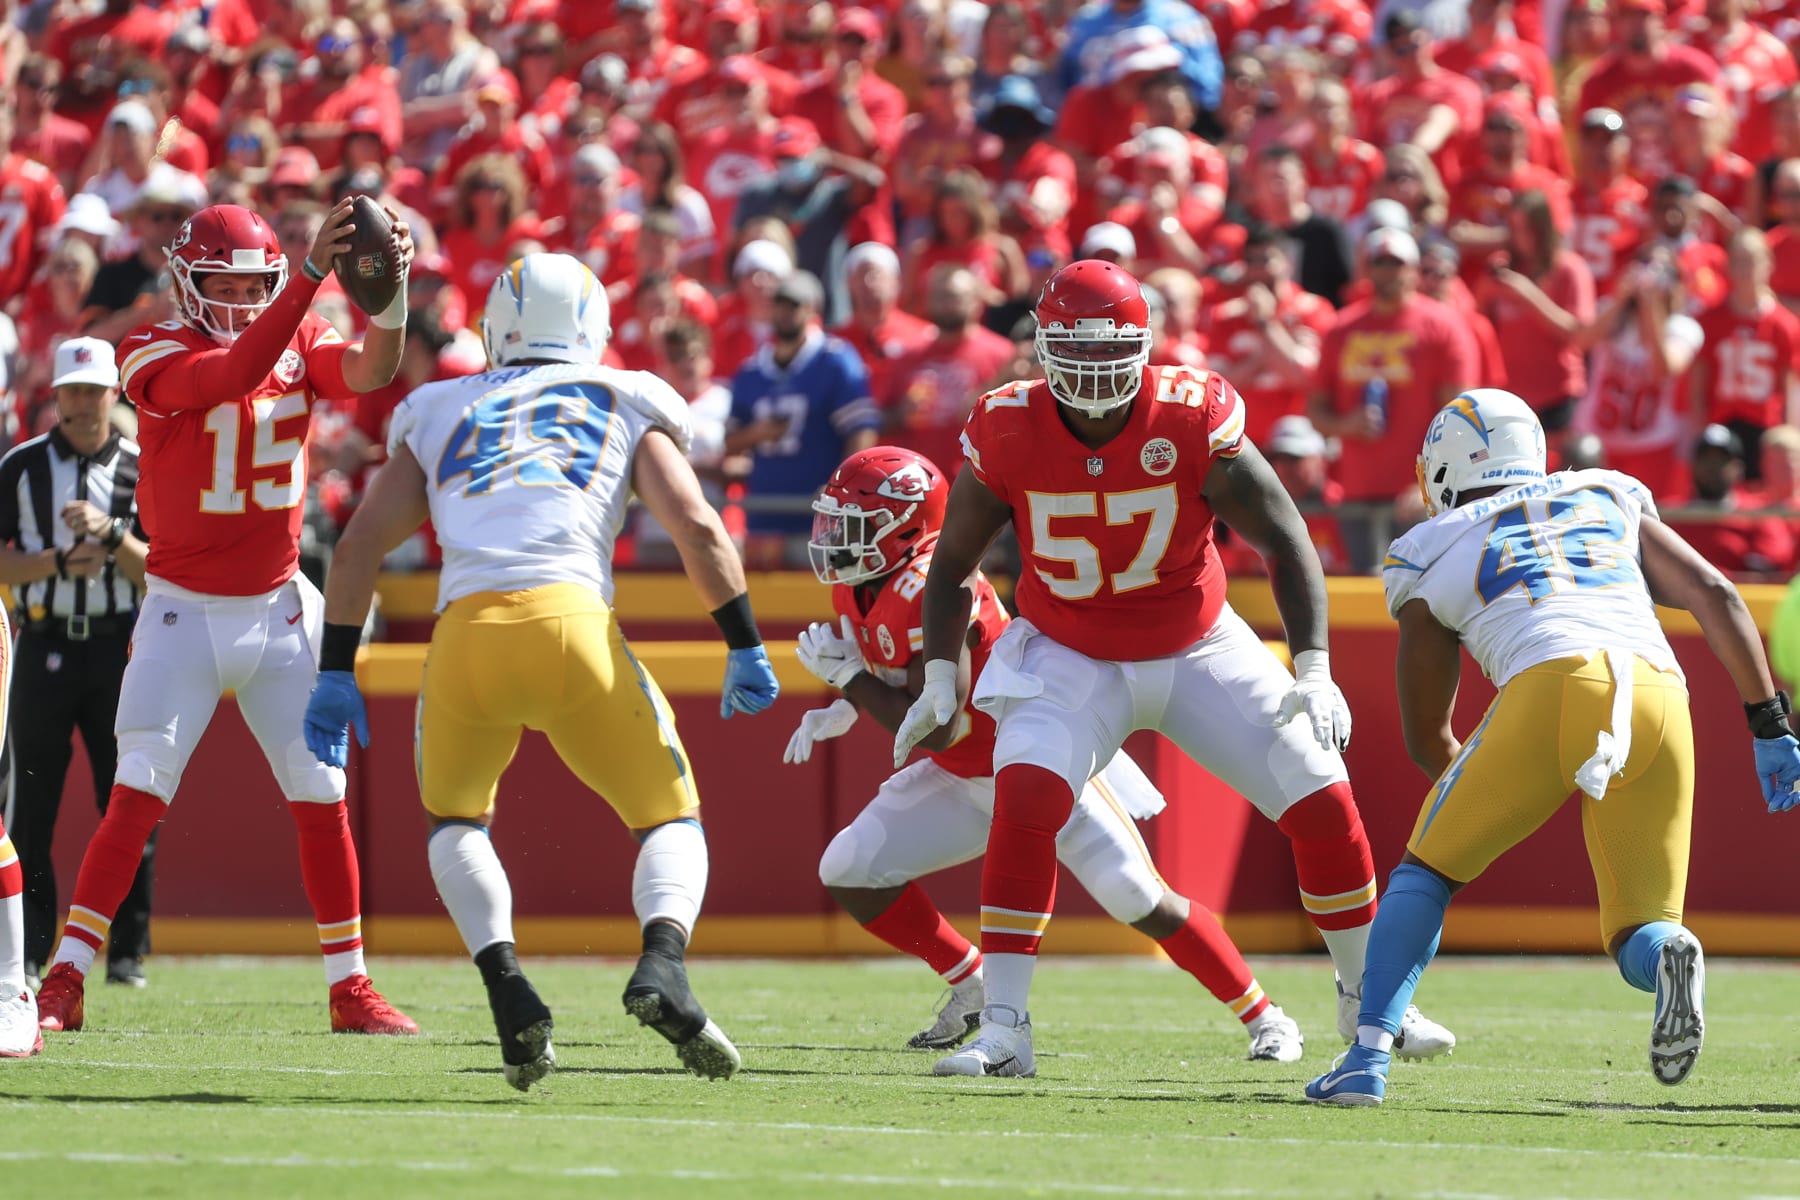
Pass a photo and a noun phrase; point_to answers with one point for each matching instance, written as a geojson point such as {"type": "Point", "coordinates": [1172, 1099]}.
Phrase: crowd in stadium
{"type": "Point", "coordinates": [826, 225]}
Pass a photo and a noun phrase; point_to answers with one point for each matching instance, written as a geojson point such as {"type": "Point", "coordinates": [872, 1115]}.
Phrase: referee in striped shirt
{"type": "Point", "coordinates": [73, 552]}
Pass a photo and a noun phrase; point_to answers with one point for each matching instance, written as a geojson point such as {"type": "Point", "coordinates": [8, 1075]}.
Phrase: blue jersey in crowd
{"type": "Point", "coordinates": [823, 395]}
{"type": "Point", "coordinates": [1094, 39]}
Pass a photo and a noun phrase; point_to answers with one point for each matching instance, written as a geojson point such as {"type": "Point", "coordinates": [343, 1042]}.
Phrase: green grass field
{"type": "Point", "coordinates": [220, 1080]}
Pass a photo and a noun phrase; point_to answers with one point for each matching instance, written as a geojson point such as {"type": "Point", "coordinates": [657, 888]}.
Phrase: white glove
{"type": "Point", "coordinates": [935, 707]}
{"type": "Point", "coordinates": [1315, 695]}
{"type": "Point", "coordinates": [832, 656]}
{"type": "Point", "coordinates": [819, 725]}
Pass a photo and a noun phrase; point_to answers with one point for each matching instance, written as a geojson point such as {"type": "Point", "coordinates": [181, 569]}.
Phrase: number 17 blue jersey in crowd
{"type": "Point", "coordinates": [823, 396]}
{"type": "Point", "coordinates": [1542, 571]}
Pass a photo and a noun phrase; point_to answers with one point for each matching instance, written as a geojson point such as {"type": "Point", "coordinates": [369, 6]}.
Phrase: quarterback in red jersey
{"type": "Point", "coordinates": [224, 397]}
{"type": "Point", "coordinates": [1111, 473]}
{"type": "Point", "coordinates": [874, 529]}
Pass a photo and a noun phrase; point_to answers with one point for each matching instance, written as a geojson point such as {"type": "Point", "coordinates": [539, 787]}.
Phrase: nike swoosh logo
{"type": "Point", "coordinates": [295, 617]}
{"type": "Point", "coordinates": [995, 1068]}
{"type": "Point", "coordinates": [140, 337]}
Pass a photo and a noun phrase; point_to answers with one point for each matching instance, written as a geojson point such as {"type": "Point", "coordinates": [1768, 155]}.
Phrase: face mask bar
{"type": "Point", "coordinates": [1086, 380]}
{"type": "Point", "coordinates": [222, 321]}
{"type": "Point", "coordinates": [843, 548]}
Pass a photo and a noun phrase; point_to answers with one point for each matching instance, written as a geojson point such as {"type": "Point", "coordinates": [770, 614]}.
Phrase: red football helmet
{"type": "Point", "coordinates": [875, 510]}
{"type": "Point", "coordinates": [225, 239]}
{"type": "Point", "coordinates": [1093, 336]}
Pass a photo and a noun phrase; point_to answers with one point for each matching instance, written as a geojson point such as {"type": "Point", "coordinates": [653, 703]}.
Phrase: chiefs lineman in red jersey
{"type": "Point", "coordinates": [224, 397]}
{"type": "Point", "coordinates": [874, 530]}
{"type": "Point", "coordinates": [1111, 473]}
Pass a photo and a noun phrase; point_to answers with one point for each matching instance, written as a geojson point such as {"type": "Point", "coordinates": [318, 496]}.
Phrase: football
{"type": "Point", "coordinates": [369, 268]}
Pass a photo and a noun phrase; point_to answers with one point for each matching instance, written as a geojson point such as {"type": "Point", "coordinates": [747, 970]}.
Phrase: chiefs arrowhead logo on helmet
{"type": "Point", "coordinates": [874, 512]}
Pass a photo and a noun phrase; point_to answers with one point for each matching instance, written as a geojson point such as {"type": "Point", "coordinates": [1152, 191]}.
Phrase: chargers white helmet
{"type": "Point", "coordinates": [1485, 437]}
{"type": "Point", "coordinates": [546, 306]}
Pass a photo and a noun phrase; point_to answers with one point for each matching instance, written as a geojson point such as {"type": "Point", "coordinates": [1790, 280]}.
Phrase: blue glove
{"type": "Point", "coordinates": [335, 706]}
{"type": "Point", "coordinates": [750, 683]}
{"type": "Point", "coordinates": [1778, 770]}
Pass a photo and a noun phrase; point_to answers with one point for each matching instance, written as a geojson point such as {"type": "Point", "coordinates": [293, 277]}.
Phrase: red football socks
{"type": "Point", "coordinates": [913, 925]}
{"type": "Point", "coordinates": [333, 885]}
{"type": "Point", "coordinates": [107, 869]}
{"type": "Point", "coordinates": [1203, 949]}
{"type": "Point", "coordinates": [1331, 859]}
{"type": "Point", "coordinates": [1018, 877]}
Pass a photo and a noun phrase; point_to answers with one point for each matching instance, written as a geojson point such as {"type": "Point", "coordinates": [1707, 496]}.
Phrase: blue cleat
{"type": "Point", "coordinates": [1358, 1076]}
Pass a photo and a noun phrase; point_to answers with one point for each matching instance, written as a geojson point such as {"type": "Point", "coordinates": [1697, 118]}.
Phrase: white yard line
{"type": "Point", "coordinates": [964, 1131]}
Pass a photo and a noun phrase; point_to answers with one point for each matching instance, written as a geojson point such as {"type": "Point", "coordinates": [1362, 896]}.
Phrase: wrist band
{"type": "Point", "coordinates": [311, 272]}
{"type": "Point", "coordinates": [1770, 718]}
{"type": "Point", "coordinates": [338, 653]}
{"type": "Point", "coordinates": [736, 623]}
{"type": "Point", "coordinates": [115, 535]}
{"type": "Point", "coordinates": [394, 315]}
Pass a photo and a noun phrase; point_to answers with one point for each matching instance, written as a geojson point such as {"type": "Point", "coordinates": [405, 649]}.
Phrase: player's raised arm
{"type": "Point", "coordinates": [665, 482]}
{"type": "Point", "coordinates": [1245, 493]}
{"type": "Point", "coordinates": [372, 363]}
{"type": "Point", "coordinates": [250, 305]}
{"type": "Point", "coordinates": [972, 519]}
{"type": "Point", "coordinates": [1680, 578]}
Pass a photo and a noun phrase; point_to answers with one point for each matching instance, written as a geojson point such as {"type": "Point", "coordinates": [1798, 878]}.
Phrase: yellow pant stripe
{"type": "Point", "coordinates": [89, 920]}
{"type": "Point", "coordinates": [341, 931]}
{"type": "Point", "coordinates": [1247, 1001]}
{"type": "Point", "coordinates": [1007, 920]}
{"type": "Point", "coordinates": [1342, 902]}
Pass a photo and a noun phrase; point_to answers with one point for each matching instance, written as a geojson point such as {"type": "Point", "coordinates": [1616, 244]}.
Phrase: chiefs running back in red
{"type": "Point", "coordinates": [369, 267]}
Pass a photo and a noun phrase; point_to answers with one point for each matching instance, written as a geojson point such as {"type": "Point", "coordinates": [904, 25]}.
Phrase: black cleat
{"type": "Point", "coordinates": [126, 971]}
{"type": "Point", "coordinates": [658, 996]}
{"type": "Point", "coordinates": [523, 1023]}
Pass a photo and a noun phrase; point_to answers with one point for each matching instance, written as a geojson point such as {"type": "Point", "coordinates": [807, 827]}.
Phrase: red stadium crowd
{"type": "Point", "coordinates": [1352, 209]}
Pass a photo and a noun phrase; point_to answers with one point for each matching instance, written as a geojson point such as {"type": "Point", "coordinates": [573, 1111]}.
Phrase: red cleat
{"type": "Point", "coordinates": [61, 1001]}
{"type": "Point", "coordinates": [356, 1007]}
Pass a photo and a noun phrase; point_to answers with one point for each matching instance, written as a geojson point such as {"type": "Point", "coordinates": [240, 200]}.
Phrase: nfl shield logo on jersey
{"type": "Point", "coordinates": [1096, 465]}
{"type": "Point", "coordinates": [170, 618]}
{"type": "Point", "coordinates": [1158, 456]}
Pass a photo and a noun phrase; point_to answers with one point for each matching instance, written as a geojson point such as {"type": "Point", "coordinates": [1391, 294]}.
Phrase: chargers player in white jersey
{"type": "Point", "coordinates": [1551, 582]}
{"type": "Point", "coordinates": [526, 471]}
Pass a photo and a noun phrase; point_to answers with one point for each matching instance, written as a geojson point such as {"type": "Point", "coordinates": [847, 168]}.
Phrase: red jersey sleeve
{"type": "Point", "coordinates": [155, 373]}
{"type": "Point", "coordinates": [1224, 415]}
{"type": "Point", "coordinates": [323, 347]}
{"type": "Point", "coordinates": [984, 434]}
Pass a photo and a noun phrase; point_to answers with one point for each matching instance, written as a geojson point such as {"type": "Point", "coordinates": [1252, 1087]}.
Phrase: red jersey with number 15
{"type": "Point", "coordinates": [891, 632]}
{"type": "Point", "coordinates": [1118, 542]}
{"type": "Point", "coordinates": [224, 477]}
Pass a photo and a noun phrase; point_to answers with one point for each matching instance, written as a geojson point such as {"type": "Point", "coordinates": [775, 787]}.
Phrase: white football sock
{"type": "Point", "coordinates": [12, 942]}
{"type": "Point", "coordinates": [670, 878]}
{"type": "Point", "coordinates": [1006, 979]}
{"type": "Point", "coordinates": [1348, 948]}
{"type": "Point", "coordinates": [472, 883]}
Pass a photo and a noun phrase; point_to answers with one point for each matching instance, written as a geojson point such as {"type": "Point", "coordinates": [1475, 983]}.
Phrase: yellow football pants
{"type": "Point", "coordinates": [1519, 766]}
{"type": "Point", "coordinates": [551, 659]}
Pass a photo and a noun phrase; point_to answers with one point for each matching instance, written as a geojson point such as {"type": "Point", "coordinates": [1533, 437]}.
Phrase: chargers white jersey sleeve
{"type": "Point", "coordinates": [1546, 570]}
{"type": "Point", "coordinates": [528, 470]}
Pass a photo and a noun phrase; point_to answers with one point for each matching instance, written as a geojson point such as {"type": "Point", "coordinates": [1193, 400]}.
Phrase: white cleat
{"type": "Point", "coordinates": [1275, 1037]}
{"type": "Point", "coordinates": [959, 1016]}
{"type": "Point", "coordinates": [1679, 1027]}
{"type": "Point", "coordinates": [20, 1036]}
{"type": "Point", "coordinates": [1003, 1047]}
{"type": "Point", "coordinates": [1419, 1037]}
